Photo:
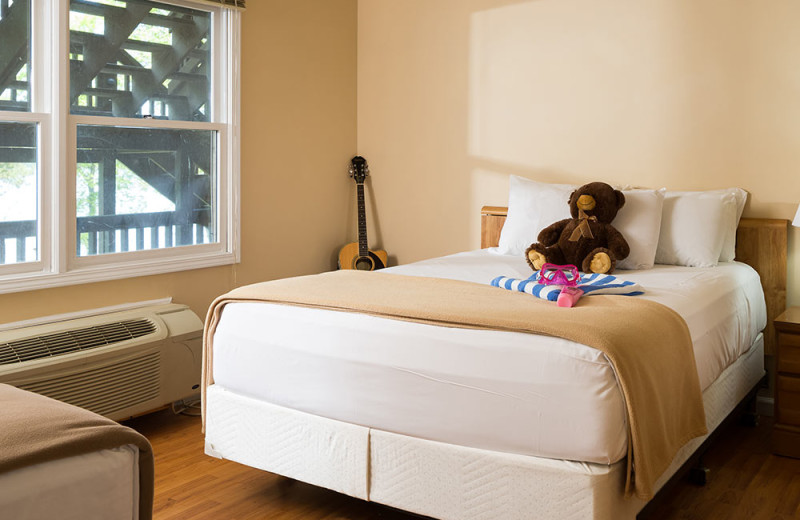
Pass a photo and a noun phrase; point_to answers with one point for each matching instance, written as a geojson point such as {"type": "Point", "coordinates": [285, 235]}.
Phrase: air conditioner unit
{"type": "Point", "coordinates": [118, 364]}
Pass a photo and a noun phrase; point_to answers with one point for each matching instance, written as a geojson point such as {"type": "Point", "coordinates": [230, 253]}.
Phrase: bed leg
{"type": "Point", "coordinates": [699, 474]}
{"type": "Point", "coordinates": [749, 416]}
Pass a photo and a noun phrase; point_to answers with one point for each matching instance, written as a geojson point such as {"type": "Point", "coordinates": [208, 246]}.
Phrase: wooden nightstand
{"type": "Point", "coordinates": [786, 432]}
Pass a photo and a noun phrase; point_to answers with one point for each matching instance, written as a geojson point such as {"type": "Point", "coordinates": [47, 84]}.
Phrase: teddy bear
{"type": "Point", "coordinates": [587, 240]}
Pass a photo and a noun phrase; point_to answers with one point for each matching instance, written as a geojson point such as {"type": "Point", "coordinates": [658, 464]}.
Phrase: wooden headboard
{"type": "Point", "coordinates": [760, 243]}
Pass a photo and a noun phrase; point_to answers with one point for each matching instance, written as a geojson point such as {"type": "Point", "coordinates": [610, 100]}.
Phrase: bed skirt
{"type": "Point", "coordinates": [442, 480]}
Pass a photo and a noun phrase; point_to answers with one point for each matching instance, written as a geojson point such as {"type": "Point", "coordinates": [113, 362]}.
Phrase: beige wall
{"type": "Point", "coordinates": [455, 95]}
{"type": "Point", "coordinates": [298, 134]}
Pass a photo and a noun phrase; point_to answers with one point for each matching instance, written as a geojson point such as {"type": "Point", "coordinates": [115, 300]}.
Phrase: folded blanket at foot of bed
{"type": "Point", "coordinates": [36, 429]}
{"type": "Point", "coordinates": [647, 343]}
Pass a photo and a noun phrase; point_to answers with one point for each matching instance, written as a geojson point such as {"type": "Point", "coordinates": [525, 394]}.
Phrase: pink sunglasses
{"type": "Point", "coordinates": [552, 274]}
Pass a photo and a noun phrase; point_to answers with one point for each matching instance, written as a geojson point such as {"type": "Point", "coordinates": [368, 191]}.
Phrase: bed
{"type": "Point", "coordinates": [60, 461]}
{"type": "Point", "coordinates": [312, 394]}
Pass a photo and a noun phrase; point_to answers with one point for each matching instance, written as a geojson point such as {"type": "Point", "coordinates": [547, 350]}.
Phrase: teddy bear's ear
{"type": "Point", "coordinates": [620, 198]}
{"type": "Point", "coordinates": [572, 196]}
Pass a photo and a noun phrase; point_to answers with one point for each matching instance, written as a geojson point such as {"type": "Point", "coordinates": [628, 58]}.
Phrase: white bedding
{"type": "Point", "coordinates": [493, 390]}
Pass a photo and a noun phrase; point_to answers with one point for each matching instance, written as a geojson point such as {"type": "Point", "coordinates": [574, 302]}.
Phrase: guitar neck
{"type": "Point", "coordinates": [363, 249]}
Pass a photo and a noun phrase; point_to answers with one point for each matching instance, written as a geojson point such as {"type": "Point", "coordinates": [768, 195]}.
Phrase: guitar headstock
{"type": "Point", "coordinates": [359, 169]}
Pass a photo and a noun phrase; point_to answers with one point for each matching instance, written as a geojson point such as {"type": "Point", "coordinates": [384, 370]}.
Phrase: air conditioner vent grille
{"type": "Point", "coordinates": [66, 342]}
{"type": "Point", "coordinates": [106, 389]}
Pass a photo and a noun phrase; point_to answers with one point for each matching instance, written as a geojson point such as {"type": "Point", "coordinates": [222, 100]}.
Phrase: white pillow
{"type": "Point", "coordinates": [639, 221]}
{"type": "Point", "coordinates": [729, 243]}
{"type": "Point", "coordinates": [694, 228]}
{"type": "Point", "coordinates": [532, 206]}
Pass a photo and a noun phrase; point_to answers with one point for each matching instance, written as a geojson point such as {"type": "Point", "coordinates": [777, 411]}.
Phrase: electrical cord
{"type": "Point", "coordinates": [190, 407]}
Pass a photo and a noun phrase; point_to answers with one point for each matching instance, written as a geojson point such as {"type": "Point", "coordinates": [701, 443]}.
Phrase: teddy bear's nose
{"type": "Point", "coordinates": [586, 202]}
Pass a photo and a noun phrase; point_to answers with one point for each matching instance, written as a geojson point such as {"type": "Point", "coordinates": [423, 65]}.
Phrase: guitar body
{"type": "Point", "coordinates": [350, 259]}
{"type": "Point", "coordinates": [357, 255]}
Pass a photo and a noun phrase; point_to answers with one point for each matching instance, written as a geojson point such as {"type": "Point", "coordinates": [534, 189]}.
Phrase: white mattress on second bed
{"type": "Point", "coordinates": [495, 390]}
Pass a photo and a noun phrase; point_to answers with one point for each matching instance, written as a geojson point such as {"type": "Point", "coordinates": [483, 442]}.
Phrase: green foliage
{"type": "Point", "coordinates": [15, 174]}
{"type": "Point", "coordinates": [152, 34]}
{"type": "Point", "coordinates": [88, 23]}
{"type": "Point", "coordinates": [134, 195]}
{"type": "Point", "coordinates": [87, 188]}
{"type": "Point", "coordinates": [94, 24]}
{"type": "Point", "coordinates": [144, 58]}
{"type": "Point", "coordinates": [112, 3]}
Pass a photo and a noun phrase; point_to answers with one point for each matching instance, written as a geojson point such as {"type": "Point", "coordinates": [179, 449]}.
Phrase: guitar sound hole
{"type": "Point", "coordinates": [364, 263]}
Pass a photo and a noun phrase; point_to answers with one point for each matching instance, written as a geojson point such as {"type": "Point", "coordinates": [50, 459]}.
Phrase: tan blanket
{"type": "Point", "coordinates": [35, 429]}
{"type": "Point", "coordinates": [647, 343]}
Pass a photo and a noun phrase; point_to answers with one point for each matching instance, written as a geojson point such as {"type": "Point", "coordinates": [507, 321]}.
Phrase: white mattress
{"type": "Point", "coordinates": [100, 485]}
{"type": "Point", "coordinates": [501, 391]}
{"type": "Point", "coordinates": [438, 479]}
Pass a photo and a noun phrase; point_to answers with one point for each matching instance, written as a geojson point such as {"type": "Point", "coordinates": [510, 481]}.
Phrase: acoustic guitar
{"type": "Point", "coordinates": [357, 255]}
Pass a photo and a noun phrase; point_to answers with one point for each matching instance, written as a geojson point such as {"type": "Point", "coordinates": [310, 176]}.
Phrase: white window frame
{"type": "Point", "coordinates": [59, 263]}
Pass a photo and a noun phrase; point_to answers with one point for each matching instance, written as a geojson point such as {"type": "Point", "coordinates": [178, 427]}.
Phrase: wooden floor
{"type": "Point", "coordinates": [747, 482]}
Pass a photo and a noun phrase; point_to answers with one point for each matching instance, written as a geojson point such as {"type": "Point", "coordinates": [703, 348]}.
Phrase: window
{"type": "Point", "coordinates": [118, 143]}
{"type": "Point", "coordinates": [18, 191]}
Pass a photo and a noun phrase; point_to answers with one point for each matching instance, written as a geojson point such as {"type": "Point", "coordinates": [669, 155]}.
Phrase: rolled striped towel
{"type": "Point", "coordinates": [591, 283]}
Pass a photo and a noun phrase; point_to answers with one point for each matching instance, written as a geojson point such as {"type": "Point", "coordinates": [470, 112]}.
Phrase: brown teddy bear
{"type": "Point", "coordinates": [587, 240]}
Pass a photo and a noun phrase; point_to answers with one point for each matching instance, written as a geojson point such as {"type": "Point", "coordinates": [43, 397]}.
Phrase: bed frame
{"type": "Point", "coordinates": [458, 483]}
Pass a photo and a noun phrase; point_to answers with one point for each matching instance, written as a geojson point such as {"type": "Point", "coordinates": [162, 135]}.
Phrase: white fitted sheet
{"type": "Point", "coordinates": [502, 391]}
{"type": "Point", "coordinates": [100, 485]}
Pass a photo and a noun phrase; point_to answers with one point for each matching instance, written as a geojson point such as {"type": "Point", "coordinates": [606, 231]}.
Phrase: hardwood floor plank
{"type": "Point", "coordinates": [747, 482]}
{"type": "Point", "coordinates": [790, 505]}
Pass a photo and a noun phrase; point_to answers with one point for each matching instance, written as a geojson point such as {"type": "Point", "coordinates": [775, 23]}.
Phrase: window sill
{"type": "Point", "coordinates": [116, 271]}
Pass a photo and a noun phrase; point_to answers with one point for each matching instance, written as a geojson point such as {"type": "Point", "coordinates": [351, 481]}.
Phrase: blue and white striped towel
{"type": "Point", "coordinates": [592, 283]}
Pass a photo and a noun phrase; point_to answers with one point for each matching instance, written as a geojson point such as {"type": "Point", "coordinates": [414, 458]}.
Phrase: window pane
{"type": "Point", "coordinates": [15, 55]}
{"type": "Point", "coordinates": [18, 193]}
{"type": "Point", "coordinates": [140, 188]}
{"type": "Point", "coordinates": [139, 59]}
